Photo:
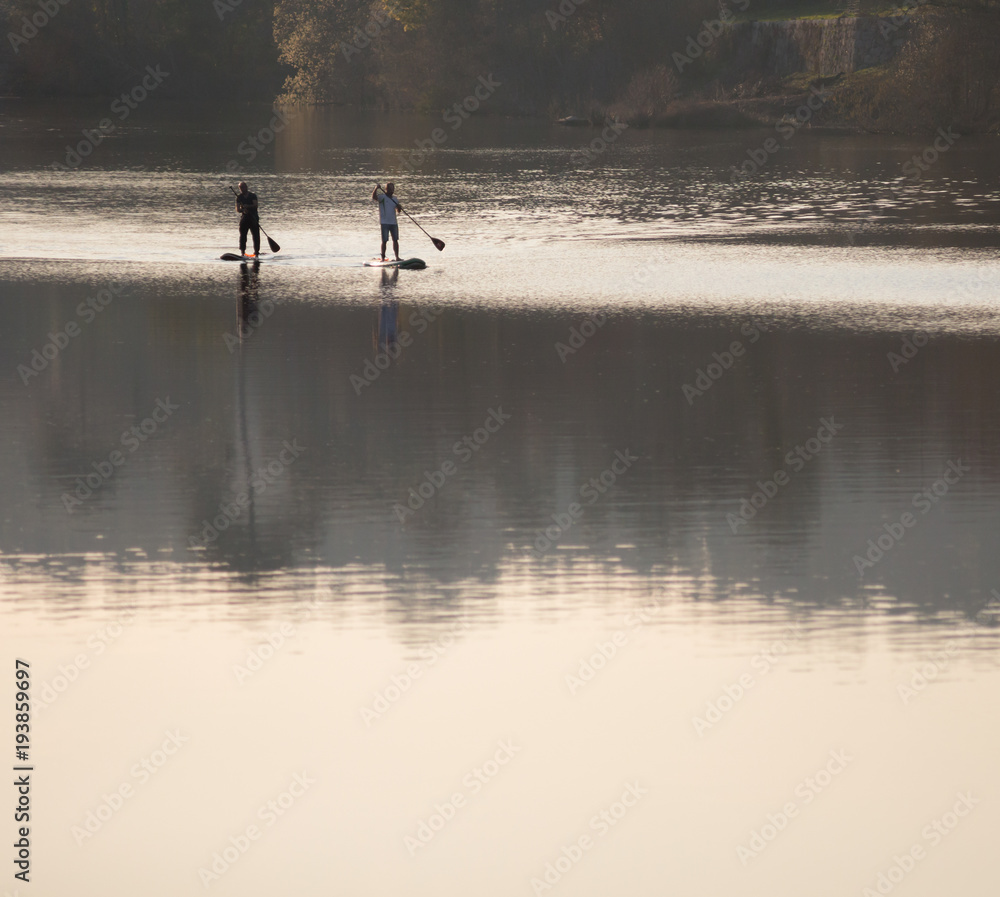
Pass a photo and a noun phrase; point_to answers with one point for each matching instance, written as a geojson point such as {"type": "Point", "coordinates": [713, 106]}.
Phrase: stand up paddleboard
{"type": "Point", "coordinates": [236, 257]}
{"type": "Point", "coordinates": [414, 263]}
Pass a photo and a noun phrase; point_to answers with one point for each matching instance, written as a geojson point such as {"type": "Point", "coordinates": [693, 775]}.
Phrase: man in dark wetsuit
{"type": "Point", "coordinates": [246, 205]}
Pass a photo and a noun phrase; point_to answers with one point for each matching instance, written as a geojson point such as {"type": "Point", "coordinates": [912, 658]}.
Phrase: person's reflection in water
{"type": "Point", "coordinates": [388, 313]}
{"type": "Point", "coordinates": [249, 318]}
{"type": "Point", "coordinates": [249, 285]}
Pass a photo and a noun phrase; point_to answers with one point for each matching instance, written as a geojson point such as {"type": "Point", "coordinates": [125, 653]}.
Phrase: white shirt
{"type": "Point", "coordinates": [387, 209]}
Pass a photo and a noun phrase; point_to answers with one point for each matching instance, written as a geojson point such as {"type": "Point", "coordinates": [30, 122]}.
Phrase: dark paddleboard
{"type": "Point", "coordinates": [236, 257]}
{"type": "Point", "coordinates": [414, 263]}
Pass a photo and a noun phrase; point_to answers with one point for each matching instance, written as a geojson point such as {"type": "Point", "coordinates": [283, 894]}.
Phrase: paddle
{"type": "Point", "coordinates": [273, 244]}
{"type": "Point", "coordinates": [438, 244]}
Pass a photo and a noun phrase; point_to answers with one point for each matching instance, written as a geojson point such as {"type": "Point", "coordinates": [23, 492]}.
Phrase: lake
{"type": "Point", "coordinates": [645, 541]}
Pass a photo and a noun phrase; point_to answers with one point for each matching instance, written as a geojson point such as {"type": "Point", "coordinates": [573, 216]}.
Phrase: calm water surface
{"type": "Point", "coordinates": [657, 494]}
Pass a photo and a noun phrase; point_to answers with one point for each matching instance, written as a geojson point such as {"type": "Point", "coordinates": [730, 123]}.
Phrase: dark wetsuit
{"type": "Point", "coordinates": [249, 221]}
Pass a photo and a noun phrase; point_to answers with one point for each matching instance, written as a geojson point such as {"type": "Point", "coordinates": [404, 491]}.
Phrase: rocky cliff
{"type": "Point", "coordinates": [821, 46]}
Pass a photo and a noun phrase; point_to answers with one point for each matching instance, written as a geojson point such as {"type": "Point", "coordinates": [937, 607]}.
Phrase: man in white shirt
{"type": "Point", "coordinates": [387, 217]}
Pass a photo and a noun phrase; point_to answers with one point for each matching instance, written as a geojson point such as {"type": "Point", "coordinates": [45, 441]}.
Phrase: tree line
{"type": "Point", "coordinates": [406, 54]}
{"type": "Point", "coordinates": [603, 59]}
{"type": "Point", "coordinates": [100, 47]}
{"type": "Point", "coordinates": [550, 55]}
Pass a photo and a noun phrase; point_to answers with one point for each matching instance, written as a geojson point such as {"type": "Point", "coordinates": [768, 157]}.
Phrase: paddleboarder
{"type": "Point", "coordinates": [388, 205]}
{"type": "Point", "coordinates": [246, 205]}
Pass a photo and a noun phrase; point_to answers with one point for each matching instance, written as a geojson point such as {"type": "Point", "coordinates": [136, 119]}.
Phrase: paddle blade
{"type": "Point", "coordinates": [438, 244]}
{"type": "Point", "coordinates": [274, 246]}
